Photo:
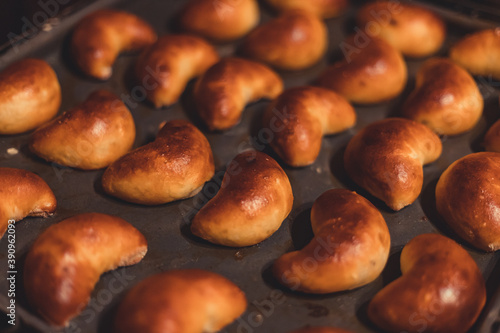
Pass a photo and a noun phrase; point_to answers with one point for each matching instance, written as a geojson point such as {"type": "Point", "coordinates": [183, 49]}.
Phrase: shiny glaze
{"type": "Point", "coordinates": [321, 8]}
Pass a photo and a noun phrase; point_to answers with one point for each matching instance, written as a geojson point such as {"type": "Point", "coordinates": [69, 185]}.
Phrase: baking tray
{"type": "Point", "coordinates": [171, 245]}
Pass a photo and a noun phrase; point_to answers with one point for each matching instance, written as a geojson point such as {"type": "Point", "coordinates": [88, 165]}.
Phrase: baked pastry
{"type": "Point", "coordinates": [413, 30]}
{"type": "Point", "coordinates": [294, 40]}
{"type": "Point", "coordinates": [387, 156]}
{"type": "Point", "coordinates": [66, 260]}
{"type": "Point", "coordinates": [446, 98]}
{"type": "Point", "coordinates": [101, 36]}
{"type": "Point", "coordinates": [468, 198]}
{"type": "Point", "coordinates": [492, 138]}
{"type": "Point", "coordinates": [30, 95]}
{"type": "Point", "coordinates": [89, 136]}
{"type": "Point", "coordinates": [165, 68]}
{"type": "Point", "coordinates": [180, 301]}
{"type": "Point", "coordinates": [322, 8]}
{"type": "Point", "coordinates": [370, 73]}
{"type": "Point", "coordinates": [223, 21]}
{"type": "Point", "coordinates": [22, 193]}
{"type": "Point", "coordinates": [175, 166]}
{"type": "Point", "coordinates": [321, 330]}
{"type": "Point", "coordinates": [441, 290]}
{"type": "Point", "coordinates": [350, 246]}
{"type": "Point", "coordinates": [300, 117]}
{"type": "Point", "coordinates": [223, 91]}
{"type": "Point", "coordinates": [479, 53]}
{"type": "Point", "coordinates": [254, 199]}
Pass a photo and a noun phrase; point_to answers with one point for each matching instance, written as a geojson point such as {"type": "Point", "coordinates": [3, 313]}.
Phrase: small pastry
{"type": "Point", "coordinates": [30, 95]}
{"type": "Point", "coordinates": [101, 36]}
{"type": "Point", "coordinates": [350, 246]}
{"type": "Point", "coordinates": [223, 91]}
{"type": "Point", "coordinates": [89, 136]}
{"type": "Point", "coordinates": [254, 199]}
{"type": "Point", "coordinates": [294, 40]}
{"type": "Point", "coordinates": [492, 138]}
{"type": "Point", "coordinates": [321, 8]}
{"type": "Point", "coordinates": [386, 158]}
{"type": "Point", "coordinates": [175, 166]}
{"type": "Point", "coordinates": [165, 68]}
{"type": "Point", "coordinates": [446, 98]}
{"type": "Point", "coordinates": [66, 261]}
{"type": "Point", "coordinates": [300, 117]}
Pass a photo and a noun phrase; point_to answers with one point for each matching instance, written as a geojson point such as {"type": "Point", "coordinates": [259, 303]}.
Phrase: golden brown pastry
{"type": "Point", "coordinates": [223, 91]}
{"type": "Point", "coordinates": [468, 198]}
{"type": "Point", "coordinates": [67, 259]}
{"type": "Point", "coordinates": [22, 193]}
{"type": "Point", "coordinates": [387, 156]}
{"type": "Point", "coordinates": [180, 301]}
{"type": "Point", "coordinates": [175, 166]}
{"type": "Point", "coordinates": [492, 138]}
{"type": "Point", "coordinates": [101, 36]}
{"type": "Point", "coordinates": [350, 246]}
{"type": "Point", "coordinates": [300, 117]}
{"type": "Point", "coordinates": [441, 290]}
{"type": "Point", "coordinates": [30, 95]}
{"type": "Point", "coordinates": [223, 21]}
{"type": "Point", "coordinates": [413, 30]}
{"type": "Point", "coordinates": [89, 136]}
{"type": "Point", "coordinates": [321, 330]}
{"type": "Point", "coordinates": [446, 98]}
{"type": "Point", "coordinates": [368, 74]}
{"type": "Point", "coordinates": [322, 8]}
{"type": "Point", "coordinates": [294, 40]}
{"type": "Point", "coordinates": [254, 199]}
{"type": "Point", "coordinates": [479, 53]}
{"type": "Point", "coordinates": [165, 68]}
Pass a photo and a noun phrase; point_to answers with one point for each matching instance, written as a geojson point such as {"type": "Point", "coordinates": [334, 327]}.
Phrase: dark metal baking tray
{"type": "Point", "coordinates": [166, 227]}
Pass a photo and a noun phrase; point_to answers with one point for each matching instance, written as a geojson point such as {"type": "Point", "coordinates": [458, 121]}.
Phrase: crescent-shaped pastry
{"type": "Point", "coordinates": [89, 136]}
{"type": "Point", "coordinates": [165, 68]}
{"type": "Point", "coordinates": [350, 246]}
{"type": "Point", "coordinates": [386, 158]}
{"type": "Point", "coordinates": [101, 36]}
{"type": "Point", "coordinates": [22, 193]}
{"type": "Point", "coordinates": [441, 286]}
{"type": "Point", "coordinates": [254, 199]}
{"type": "Point", "coordinates": [446, 98]}
{"type": "Point", "coordinates": [66, 261]}
{"type": "Point", "coordinates": [175, 166]}
{"type": "Point", "coordinates": [300, 117]}
{"type": "Point", "coordinates": [468, 198]}
{"type": "Point", "coordinates": [223, 91]}
{"type": "Point", "coordinates": [180, 301]}
{"type": "Point", "coordinates": [30, 95]}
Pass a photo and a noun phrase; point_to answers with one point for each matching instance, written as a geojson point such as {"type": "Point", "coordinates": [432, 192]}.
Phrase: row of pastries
{"type": "Point", "coordinates": [385, 158]}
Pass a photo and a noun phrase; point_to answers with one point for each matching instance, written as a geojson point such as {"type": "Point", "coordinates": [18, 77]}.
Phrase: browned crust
{"type": "Point", "coordinates": [30, 95]}
{"type": "Point", "coordinates": [492, 138]}
{"type": "Point", "coordinates": [66, 260]}
{"type": "Point", "coordinates": [254, 199]}
{"type": "Point", "coordinates": [223, 21]}
{"type": "Point", "coordinates": [386, 159]}
{"type": "Point", "coordinates": [371, 73]}
{"type": "Point", "coordinates": [175, 166]}
{"type": "Point", "coordinates": [222, 92]}
{"type": "Point", "coordinates": [101, 36]}
{"type": "Point", "coordinates": [300, 117]}
{"type": "Point", "coordinates": [89, 136]}
{"type": "Point", "coordinates": [22, 193]}
{"type": "Point", "coordinates": [322, 8]}
{"type": "Point", "coordinates": [413, 30]}
{"type": "Point", "coordinates": [180, 301]}
{"type": "Point", "coordinates": [441, 287]}
{"type": "Point", "coordinates": [165, 68]}
{"type": "Point", "coordinates": [350, 246]}
{"type": "Point", "coordinates": [446, 98]}
{"type": "Point", "coordinates": [294, 40]}
{"type": "Point", "coordinates": [468, 198]}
